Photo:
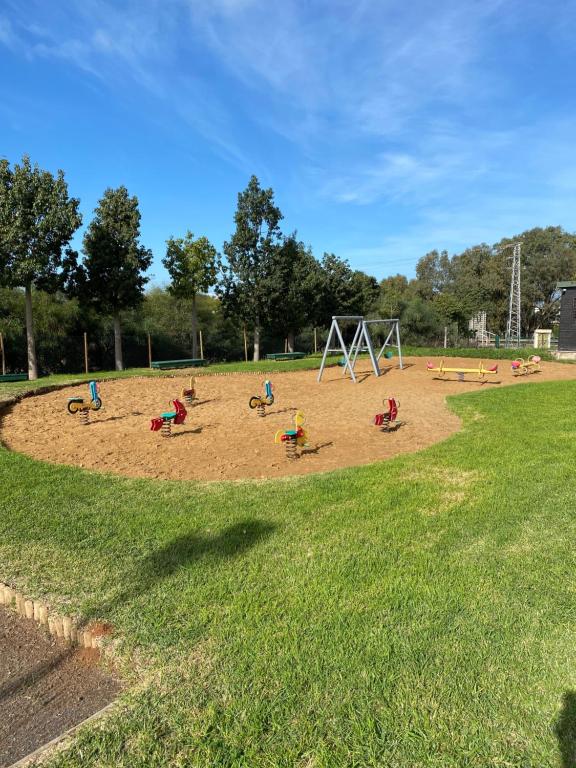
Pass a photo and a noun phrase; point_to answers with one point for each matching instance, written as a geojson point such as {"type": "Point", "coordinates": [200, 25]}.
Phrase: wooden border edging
{"type": "Point", "coordinates": [57, 625]}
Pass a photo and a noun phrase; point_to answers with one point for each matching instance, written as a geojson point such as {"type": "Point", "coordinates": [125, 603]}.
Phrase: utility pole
{"type": "Point", "coordinates": [513, 327]}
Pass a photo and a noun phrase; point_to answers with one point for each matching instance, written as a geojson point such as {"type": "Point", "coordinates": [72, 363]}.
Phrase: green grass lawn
{"type": "Point", "coordinates": [418, 612]}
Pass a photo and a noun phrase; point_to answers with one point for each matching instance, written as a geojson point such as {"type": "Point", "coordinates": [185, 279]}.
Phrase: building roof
{"type": "Point", "coordinates": [566, 285]}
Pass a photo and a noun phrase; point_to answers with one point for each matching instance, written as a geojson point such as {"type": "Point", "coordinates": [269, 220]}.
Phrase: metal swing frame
{"type": "Point", "coordinates": [393, 334]}
{"type": "Point", "coordinates": [361, 342]}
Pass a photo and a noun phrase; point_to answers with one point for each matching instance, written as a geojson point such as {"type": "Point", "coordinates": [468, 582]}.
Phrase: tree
{"type": "Point", "coordinates": [344, 291]}
{"type": "Point", "coordinates": [193, 267]}
{"type": "Point", "coordinates": [395, 293]}
{"type": "Point", "coordinates": [37, 221]}
{"type": "Point", "coordinates": [294, 288]}
{"type": "Point", "coordinates": [250, 253]}
{"type": "Point", "coordinates": [364, 292]}
{"type": "Point", "coordinates": [111, 275]}
{"type": "Point", "coordinates": [432, 274]}
{"type": "Point", "coordinates": [548, 256]}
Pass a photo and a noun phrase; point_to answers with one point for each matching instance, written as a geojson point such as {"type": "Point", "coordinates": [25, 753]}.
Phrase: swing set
{"type": "Point", "coordinates": [361, 342]}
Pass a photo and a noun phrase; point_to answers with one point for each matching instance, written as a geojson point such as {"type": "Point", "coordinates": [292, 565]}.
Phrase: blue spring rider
{"type": "Point", "coordinates": [76, 404]}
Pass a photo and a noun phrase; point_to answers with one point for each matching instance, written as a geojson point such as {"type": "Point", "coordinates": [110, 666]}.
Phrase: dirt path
{"type": "Point", "coordinates": [45, 687]}
{"type": "Point", "coordinates": [223, 440]}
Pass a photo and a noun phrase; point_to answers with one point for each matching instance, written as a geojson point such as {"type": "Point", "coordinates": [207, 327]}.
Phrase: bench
{"type": "Point", "coordinates": [191, 363]}
{"type": "Point", "coordinates": [14, 377]}
{"type": "Point", "coordinates": [286, 356]}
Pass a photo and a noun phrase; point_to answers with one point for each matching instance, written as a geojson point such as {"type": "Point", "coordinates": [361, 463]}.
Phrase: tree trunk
{"type": "Point", "coordinates": [291, 341]}
{"type": "Point", "coordinates": [118, 343]}
{"type": "Point", "coordinates": [194, 328]}
{"type": "Point", "coordinates": [256, 357]}
{"type": "Point", "coordinates": [30, 342]}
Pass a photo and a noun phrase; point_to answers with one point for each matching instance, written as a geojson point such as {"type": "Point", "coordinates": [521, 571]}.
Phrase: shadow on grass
{"type": "Point", "coordinates": [565, 729]}
{"type": "Point", "coordinates": [181, 552]}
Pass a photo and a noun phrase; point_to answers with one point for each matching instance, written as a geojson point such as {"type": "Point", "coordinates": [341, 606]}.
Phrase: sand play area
{"type": "Point", "coordinates": [223, 439]}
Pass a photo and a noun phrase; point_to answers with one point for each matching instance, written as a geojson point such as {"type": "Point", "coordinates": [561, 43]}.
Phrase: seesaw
{"type": "Point", "coordinates": [481, 371]}
{"type": "Point", "coordinates": [521, 367]}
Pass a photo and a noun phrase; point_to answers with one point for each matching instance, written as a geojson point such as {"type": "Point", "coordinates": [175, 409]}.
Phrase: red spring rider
{"type": "Point", "coordinates": [164, 421]}
{"type": "Point", "coordinates": [388, 419]}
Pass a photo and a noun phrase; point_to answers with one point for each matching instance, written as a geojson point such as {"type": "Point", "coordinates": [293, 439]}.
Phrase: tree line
{"type": "Point", "coordinates": [268, 279]}
{"type": "Point", "coordinates": [450, 290]}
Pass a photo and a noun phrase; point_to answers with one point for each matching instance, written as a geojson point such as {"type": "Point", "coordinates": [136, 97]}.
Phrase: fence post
{"type": "Point", "coordinates": [245, 346]}
{"type": "Point", "coordinates": [315, 342]}
{"type": "Point", "coordinates": [445, 337]}
{"type": "Point", "coordinates": [149, 352]}
{"type": "Point", "coordinates": [201, 346]}
{"type": "Point", "coordinates": [86, 368]}
{"type": "Point", "coordinates": [3, 355]}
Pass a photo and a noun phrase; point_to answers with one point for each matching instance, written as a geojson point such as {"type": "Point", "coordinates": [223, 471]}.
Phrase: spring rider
{"type": "Point", "coordinates": [165, 420]}
{"type": "Point", "coordinates": [82, 406]}
{"type": "Point", "coordinates": [388, 419]}
{"type": "Point", "coordinates": [260, 402]}
{"type": "Point", "coordinates": [189, 394]}
{"type": "Point", "coordinates": [292, 438]}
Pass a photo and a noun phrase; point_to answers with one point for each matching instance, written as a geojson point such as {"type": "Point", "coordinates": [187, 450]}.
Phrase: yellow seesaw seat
{"type": "Point", "coordinates": [481, 371]}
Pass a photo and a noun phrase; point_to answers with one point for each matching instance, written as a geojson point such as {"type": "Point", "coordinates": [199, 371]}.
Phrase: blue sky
{"type": "Point", "coordinates": [386, 129]}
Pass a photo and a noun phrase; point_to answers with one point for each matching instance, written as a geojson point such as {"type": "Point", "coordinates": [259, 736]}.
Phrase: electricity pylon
{"type": "Point", "coordinates": [513, 327]}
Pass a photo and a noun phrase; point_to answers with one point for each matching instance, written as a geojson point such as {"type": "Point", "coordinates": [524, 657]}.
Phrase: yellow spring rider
{"type": "Point", "coordinates": [481, 371]}
{"type": "Point", "coordinates": [293, 437]}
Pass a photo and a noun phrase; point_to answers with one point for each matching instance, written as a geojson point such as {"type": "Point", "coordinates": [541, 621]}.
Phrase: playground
{"type": "Point", "coordinates": [426, 591]}
{"type": "Point", "coordinates": [222, 438]}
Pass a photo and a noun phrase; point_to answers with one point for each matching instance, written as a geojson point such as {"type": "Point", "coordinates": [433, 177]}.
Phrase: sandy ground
{"type": "Point", "coordinates": [46, 687]}
{"type": "Point", "coordinates": [223, 439]}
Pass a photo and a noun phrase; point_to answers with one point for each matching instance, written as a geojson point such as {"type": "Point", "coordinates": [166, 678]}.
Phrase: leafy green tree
{"type": "Point", "coordinates": [193, 267]}
{"type": "Point", "coordinates": [432, 274]}
{"type": "Point", "coordinates": [364, 290]}
{"type": "Point", "coordinates": [420, 322]}
{"type": "Point", "coordinates": [111, 276]}
{"type": "Point", "coordinates": [245, 285]}
{"type": "Point", "coordinates": [548, 256]}
{"type": "Point", "coordinates": [395, 293]}
{"type": "Point", "coordinates": [294, 289]}
{"type": "Point", "coordinates": [37, 221]}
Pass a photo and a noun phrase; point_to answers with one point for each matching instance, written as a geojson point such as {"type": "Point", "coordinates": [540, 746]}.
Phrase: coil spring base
{"type": "Point", "coordinates": [84, 416]}
{"type": "Point", "coordinates": [188, 399]}
{"type": "Point", "coordinates": [291, 449]}
{"type": "Point", "coordinates": [261, 410]}
{"type": "Point", "coordinates": [166, 430]}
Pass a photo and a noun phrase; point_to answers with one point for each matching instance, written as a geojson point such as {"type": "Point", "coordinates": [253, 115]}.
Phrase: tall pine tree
{"type": "Point", "coordinates": [250, 252]}
{"type": "Point", "coordinates": [37, 221]}
{"type": "Point", "coordinates": [111, 276]}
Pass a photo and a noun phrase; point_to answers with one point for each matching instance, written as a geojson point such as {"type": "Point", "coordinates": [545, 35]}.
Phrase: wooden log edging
{"type": "Point", "coordinates": [63, 627]}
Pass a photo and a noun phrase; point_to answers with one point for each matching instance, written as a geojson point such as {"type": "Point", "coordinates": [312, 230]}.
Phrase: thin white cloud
{"type": "Point", "coordinates": [379, 103]}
